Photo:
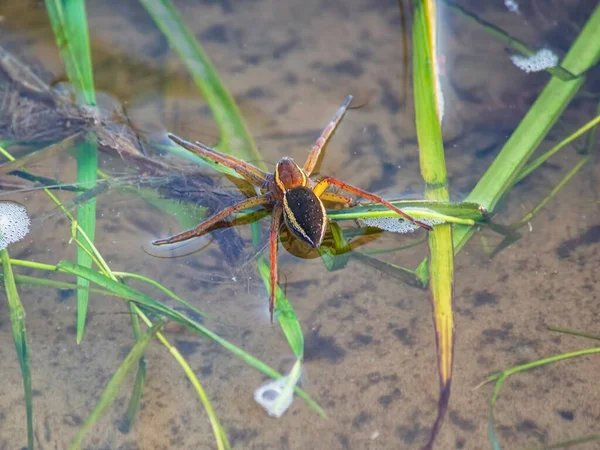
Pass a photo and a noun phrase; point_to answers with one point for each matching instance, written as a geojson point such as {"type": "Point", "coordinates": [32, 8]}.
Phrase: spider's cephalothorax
{"type": "Point", "coordinates": [289, 192]}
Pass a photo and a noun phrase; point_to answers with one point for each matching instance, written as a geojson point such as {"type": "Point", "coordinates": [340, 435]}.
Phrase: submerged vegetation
{"type": "Point", "coordinates": [66, 120]}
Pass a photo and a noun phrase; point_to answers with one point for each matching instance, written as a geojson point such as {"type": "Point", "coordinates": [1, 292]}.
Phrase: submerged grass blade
{"type": "Point", "coordinates": [113, 387]}
{"type": "Point", "coordinates": [536, 124]}
{"type": "Point", "coordinates": [157, 308]}
{"type": "Point", "coordinates": [428, 115]}
{"type": "Point", "coordinates": [136, 395]}
{"type": "Point", "coordinates": [69, 23]}
{"type": "Point", "coordinates": [500, 378]}
{"type": "Point", "coordinates": [17, 320]}
{"type": "Point", "coordinates": [232, 127]}
{"type": "Point", "coordinates": [87, 164]}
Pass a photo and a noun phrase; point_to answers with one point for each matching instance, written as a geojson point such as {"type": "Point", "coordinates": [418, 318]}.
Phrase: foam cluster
{"type": "Point", "coordinates": [14, 223]}
{"type": "Point", "coordinates": [276, 396]}
{"type": "Point", "coordinates": [396, 224]}
{"type": "Point", "coordinates": [542, 60]}
{"type": "Point", "coordinates": [512, 6]}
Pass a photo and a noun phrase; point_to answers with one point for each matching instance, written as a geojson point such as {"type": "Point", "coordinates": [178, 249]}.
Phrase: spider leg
{"type": "Point", "coordinates": [273, 235]}
{"type": "Point", "coordinates": [208, 223]}
{"type": "Point", "coordinates": [315, 151]}
{"type": "Point", "coordinates": [250, 172]}
{"type": "Point", "coordinates": [334, 197]}
{"type": "Point", "coordinates": [323, 184]}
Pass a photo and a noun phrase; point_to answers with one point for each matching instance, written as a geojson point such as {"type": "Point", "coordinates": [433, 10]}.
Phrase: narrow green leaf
{"type": "Point", "coordinates": [159, 309]}
{"type": "Point", "coordinates": [336, 257]}
{"type": "Point", "coordinates": [69, 23]}
{"type": "Point", "coordinates": [136, 395]}
{"type": "Point", "coordinates": [87, 165]}
{"type": "Point", "coordinates": [419, 208]}
{"type": "Point", "coordinates": [428, 115]}
{"type": "Point", "coordinates": [17, 320]}
{"type": "Point", "coordinates": [113, 387]}
{"type": "Point", "coordinates": [536, 124]}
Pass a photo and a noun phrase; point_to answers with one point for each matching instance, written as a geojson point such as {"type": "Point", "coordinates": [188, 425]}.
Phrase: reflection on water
{"type": "Point", "coordinates": [370, 358]}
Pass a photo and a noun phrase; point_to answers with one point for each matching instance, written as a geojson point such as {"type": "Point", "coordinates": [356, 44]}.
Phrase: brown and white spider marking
{"type": "Point", "coordinates": [289, 192]}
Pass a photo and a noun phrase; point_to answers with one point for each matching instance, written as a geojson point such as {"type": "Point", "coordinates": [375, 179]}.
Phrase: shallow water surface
{"type": "Point", "coordinates": [369, 341]}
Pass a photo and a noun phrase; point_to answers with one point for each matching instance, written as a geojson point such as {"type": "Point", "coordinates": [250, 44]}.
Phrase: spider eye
{"type": "Point", "coordinates": [304, 215]}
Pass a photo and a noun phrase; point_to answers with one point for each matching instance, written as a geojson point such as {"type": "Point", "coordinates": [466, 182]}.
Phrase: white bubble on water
{"type": "Point", "coordinates": [397, 225]}
{"type": "Point", "coordinates": [542, 60]}
{"type": "Point", "coordinates": [14, 223]}
{"type": "Point", "coordinates": [512, 6]}
{"type": "Point", "coordinates": [277, 395]}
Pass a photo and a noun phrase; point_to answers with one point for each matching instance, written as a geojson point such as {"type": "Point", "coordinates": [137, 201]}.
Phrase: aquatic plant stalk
{"type": "Point", "coordinates": [69, 23]}
{"type": "Point", "coordinates": [17, 320]}
{"type": "Point", "coordinates": [428, 116]}
{"type": "Point", "coordinates": [538, 121]}
{"type": "Point", "coordinates": [500, 378]}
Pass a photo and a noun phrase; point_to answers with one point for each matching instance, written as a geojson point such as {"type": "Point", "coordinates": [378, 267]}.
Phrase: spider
{"type": "Point", "coordinates": [289, 192]}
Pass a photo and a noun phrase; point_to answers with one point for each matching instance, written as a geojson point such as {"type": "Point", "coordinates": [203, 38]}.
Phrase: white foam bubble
{"type": "Point", "coordinates": [397, 225]}
{"type": "Point", "coordinates": [276, 396]}
{"type": "Point", "coordinates": [14, 223]}
{"type": "Point", "coordinates": [543, 59]}
{"type": "Point", "coordinates": [512, 6]}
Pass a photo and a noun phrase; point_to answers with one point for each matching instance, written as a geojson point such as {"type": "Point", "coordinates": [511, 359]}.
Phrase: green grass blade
{"type": "Point", "coordinates": [501, 377]}
{"type": "Point", "coordinates": [225, 111]}
{"type": "Point", "coordinates": [507, 39]}
{"type": "Point", "coordinates": [285, 314]}
{"type": "Point", "coordinates": [468, 211]}
{"type": "Point", "coordinates": [336, 257]}
{"type": "Point", "coordinates": [161, 288]}
{"type": "Point", "coordinates": [87, 164]}
{"type": "Point", "coordinates": [536, 124]}
{"type": "Point", "coordinates": [69, 23]}
{"type": "Point", "coordinates": [428, 116]}
{"type": "Point", "coordinates": [543, 158]}
{"type": "Point", "coordinates": [234, 133]}
{"type": "Point", "coordinates": [17, 320]}
{"type": "Point", "coordinates": [158, 308]}
{"type": "Point", "coordinates": [136, 396]}
{"type": "Point", "coordinates": [113, 387]}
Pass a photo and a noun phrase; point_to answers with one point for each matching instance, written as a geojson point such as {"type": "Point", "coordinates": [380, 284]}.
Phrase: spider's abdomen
{"type": "Point", "coordinates": [304, 215]}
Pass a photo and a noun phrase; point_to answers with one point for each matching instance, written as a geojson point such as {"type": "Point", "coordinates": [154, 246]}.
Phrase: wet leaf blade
{"type": "Point", "coordinates": [158, 308]}
{"type": "Point", "coordinates": [136, 396]}
{"type": "Point", "coordinates": [69, 24]}
{"type": "Point", "coordinates": [110, 393]}
{"type": "Point", "coordinates": [87, 165]}
{"type": "Point", "coordinates": [17, 320]}
{"type": "Point", "coordinates": [428, 116]}
{"type": "Point", "coordinates": [536, 124]}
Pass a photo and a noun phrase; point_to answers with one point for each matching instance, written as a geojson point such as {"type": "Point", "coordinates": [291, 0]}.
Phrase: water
{"type": "Point", "coordinates": [370, 352]}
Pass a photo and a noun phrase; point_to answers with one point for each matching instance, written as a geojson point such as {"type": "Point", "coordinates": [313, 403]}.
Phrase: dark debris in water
{"type": "Point", "coordinates": [317, 347]}
{"type": "Point", "coordinates": [589, 237]}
